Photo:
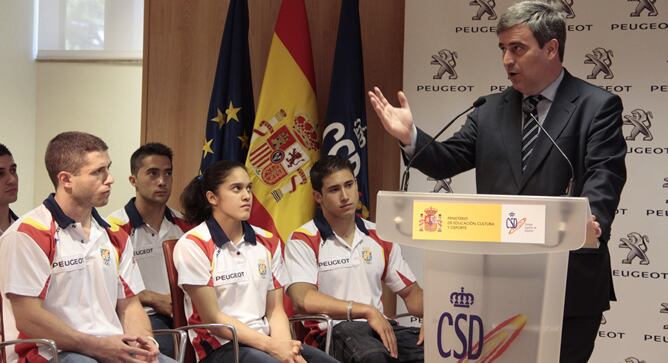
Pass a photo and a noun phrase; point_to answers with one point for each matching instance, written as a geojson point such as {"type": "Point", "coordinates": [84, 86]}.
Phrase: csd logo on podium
{"type": "Point", "coordinates": [467, 327]}
{"type": "Point", "coordinates": [471, 343]}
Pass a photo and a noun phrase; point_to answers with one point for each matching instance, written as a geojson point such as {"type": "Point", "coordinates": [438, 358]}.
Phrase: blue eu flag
{"type": "Point", "coordinates": [231, 114]}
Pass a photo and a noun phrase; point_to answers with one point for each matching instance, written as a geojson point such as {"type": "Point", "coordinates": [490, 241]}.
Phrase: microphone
{"type": "Point", "coordinates": [569, 189]}
{"type": "Point", "coordinates": [406, 175]}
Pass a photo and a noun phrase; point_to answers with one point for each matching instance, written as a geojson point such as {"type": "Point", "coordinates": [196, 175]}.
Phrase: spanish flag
{"type": "Point", "coordinates": [285, 141]}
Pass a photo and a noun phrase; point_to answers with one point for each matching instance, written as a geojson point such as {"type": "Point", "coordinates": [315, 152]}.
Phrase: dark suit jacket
{"type": "Point", "coordinates": [586, 123]}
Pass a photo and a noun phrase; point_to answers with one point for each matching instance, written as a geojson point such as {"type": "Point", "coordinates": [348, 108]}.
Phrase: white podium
{"type": "Point", "coordinates": [495, 270]}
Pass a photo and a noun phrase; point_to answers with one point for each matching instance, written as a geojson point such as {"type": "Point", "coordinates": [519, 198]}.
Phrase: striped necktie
{"type": "Point", "coordinates": [530, 130]}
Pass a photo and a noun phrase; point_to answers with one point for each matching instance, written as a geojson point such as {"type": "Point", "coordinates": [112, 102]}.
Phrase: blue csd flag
{"type": "Point", "coordinates": [229, 123]}
{"type": "Point", "coordinates": [345, 131]}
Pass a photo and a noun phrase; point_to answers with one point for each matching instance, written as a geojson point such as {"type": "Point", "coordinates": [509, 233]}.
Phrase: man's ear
{"type": "Point", "coordinates": [553, 47]}
{"type": "Point", "coordinates": [64, 179]}
{"type": "Point", "coordinates": [133, 180]}
{"type": "Point", "coordinates": [317, 196]}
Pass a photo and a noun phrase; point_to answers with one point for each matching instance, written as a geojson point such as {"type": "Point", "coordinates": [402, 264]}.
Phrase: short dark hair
{"type": "Point", "coordinates": [196, 207]}
{"type": "Point", "coordinates": [67, 152]}
{"type": "Point", "coordinates": [4, 150]}
{"type": "Point", "coordinates": [152, 148]}
{"type": "Point", "coordinates": [545, 18]}
{"type": "Point", "coordinates": [326, 166]}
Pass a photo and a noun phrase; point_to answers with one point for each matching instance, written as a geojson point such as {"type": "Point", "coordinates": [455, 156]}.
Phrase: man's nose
{"type": "Point", "coordinates": [508, 59]}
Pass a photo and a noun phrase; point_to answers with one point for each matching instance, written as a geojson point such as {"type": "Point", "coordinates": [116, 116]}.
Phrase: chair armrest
{"type": "Point", "coordinates": [231, 328]}
{"type": "Point", "coordinates": [324, 318]}
{"type": "Point", "coordinates": [50, 344]}
{"type": "Point", "coordinates": [181, 339]}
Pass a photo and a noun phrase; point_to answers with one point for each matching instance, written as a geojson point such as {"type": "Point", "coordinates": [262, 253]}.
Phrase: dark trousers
{"type": "Point", "coordinates": [252, 355]}
{"type": "Point", "coordinates": [159, 321]}
{"type": "Point", "coordinates": [71, 357]}
{"type": "Point", "coordinates": [578, 336]}
{"type": "Point", "coordinates": [356, 342]}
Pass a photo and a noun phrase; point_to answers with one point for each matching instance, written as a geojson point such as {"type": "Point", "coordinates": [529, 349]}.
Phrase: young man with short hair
{"type": "Point", "coordinates": [67, 275]}
{"type": "Point", "coordinates": [149, 221]}
{"type": "Point", "coordinates": [9, 188]}
{"type": "Point", "coordinates": [337, 264]}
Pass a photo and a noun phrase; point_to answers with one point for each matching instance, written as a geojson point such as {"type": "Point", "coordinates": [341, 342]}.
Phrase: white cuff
{"type": "Point", "coordinates": [409, 149]}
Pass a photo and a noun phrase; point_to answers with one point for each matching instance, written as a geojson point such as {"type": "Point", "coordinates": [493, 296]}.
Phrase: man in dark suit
{"type": "Point", "coordinates": [512, 155]}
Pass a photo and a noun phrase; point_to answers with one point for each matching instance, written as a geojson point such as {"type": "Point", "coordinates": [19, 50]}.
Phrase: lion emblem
{"type": "Point", "coordinates": [640, 120]}
{"type": "Point", "coordinates": [601, 58]}
{"type": "Point", "coordinates": [443, 184]}
{"type": "Point", "coordinates": [637, 245]}
{"type": "Point", "coordinates": [446, 62]}
{"type": "Point", "coordinates": [645, 5]}
{"type": "Point", "coordinates": [484, 7]}
{"type": "Point", "coordinates": [567, 6]}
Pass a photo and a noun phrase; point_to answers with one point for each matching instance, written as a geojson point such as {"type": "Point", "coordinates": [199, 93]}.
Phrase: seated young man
{"type": "Point", "coordinates": [66, 275]}
{"type": "Point", "coordinates": [149, 222]}
{"type": "Point", "coordinates": [9, 188]}
{"type": "Point", "coordinates": [337, 264]}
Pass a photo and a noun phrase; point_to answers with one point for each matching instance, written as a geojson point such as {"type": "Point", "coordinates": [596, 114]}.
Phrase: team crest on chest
{"type": "Point", "coordinates": [262, 267]}
{"type": "Point", "coordinates": [367, 257]}
{"type": "Point", "coordinates": [106, 256]}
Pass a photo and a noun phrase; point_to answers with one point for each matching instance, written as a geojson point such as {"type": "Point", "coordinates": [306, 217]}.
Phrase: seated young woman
{"type": "Point", "coordinates": [232, 273]}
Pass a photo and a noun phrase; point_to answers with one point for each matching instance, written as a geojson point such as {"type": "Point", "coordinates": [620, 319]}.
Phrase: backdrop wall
{"type": "Point", "coordinates": [17, 94]}
{"type": "Point", "coordinates": [99, 98]}
{"type": "Point", "coordinates": [451, 58]}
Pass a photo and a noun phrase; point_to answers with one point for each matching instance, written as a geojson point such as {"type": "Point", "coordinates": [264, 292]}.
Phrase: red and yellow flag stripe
{"type": "Point", "coordinates": [285, 141]}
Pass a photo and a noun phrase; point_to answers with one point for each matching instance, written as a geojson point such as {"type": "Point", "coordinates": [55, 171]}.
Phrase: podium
{"type": "Point", "coordinates": [495, 270]}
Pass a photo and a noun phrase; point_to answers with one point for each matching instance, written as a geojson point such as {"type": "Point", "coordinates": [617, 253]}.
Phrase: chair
{"type": "Point", "coordinates": [180, 336]}
{"type": "Point", "coordinates": [180, 340]}
{"type": "Point", "coordinates": [297, 327]}
{"type": "Point", "coordinates": [324, 318]}
{"type": "Point", "coordinates": [50, 344]}
{"type": "Point", "coordinates": [178, 312]}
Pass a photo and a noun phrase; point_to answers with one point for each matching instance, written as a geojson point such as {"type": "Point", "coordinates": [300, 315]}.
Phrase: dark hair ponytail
{"type": "Point", "coordinates": [196, 208]}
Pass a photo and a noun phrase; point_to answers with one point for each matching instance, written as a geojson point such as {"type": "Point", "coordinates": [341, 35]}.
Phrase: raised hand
{"type": "Point", "coordinates": [397, 121]}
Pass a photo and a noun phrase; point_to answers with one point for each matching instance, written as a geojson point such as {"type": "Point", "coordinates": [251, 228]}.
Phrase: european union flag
{"type": "Point", "coordinates": [231, 114]}
{"type": "Point", "coordinates": [345, 133]}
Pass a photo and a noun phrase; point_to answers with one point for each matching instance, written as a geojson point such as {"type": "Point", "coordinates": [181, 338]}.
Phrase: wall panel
{"type": "Point", "coordinates": [181, 43]}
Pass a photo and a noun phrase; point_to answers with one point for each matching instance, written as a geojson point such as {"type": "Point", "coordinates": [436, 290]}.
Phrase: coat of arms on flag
{"type": "Point", "coordinates": [280, 157]}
